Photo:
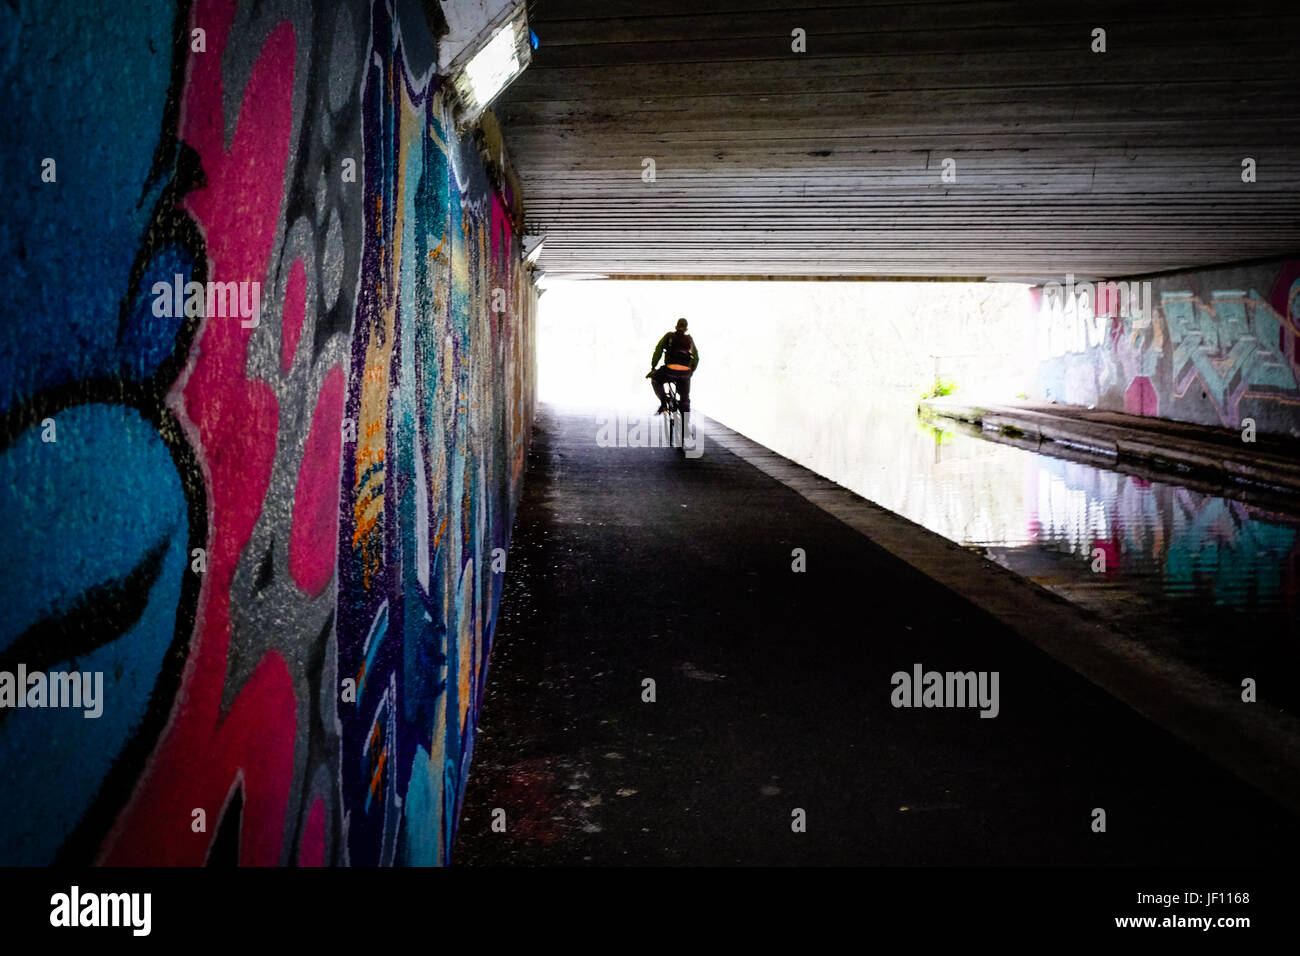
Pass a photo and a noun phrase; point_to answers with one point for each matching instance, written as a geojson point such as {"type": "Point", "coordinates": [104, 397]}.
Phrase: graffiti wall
{"type": "Point", "coordinates": [1215, 347]}
{"type": "Point", "coordinates": [266, 378]}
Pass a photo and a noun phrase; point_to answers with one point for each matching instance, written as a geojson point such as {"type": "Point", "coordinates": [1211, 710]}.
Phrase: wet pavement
{"type": "Point", "coordinates": [773, 696]}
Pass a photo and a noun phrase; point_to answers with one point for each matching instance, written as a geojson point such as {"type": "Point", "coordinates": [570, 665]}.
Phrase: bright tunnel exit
{"type": "Point", "coordinates": [827, 374]}
{"type": "Point", "coordinates": [783, 349]}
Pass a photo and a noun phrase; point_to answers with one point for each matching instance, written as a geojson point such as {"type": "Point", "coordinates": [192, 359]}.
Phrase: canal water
{"type": "Point", "coordinates": [1209, 580]}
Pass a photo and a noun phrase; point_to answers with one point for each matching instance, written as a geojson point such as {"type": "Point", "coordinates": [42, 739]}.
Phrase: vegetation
{"type": "Point", "coordinates": [941, 436]}
{"type": "Point", "coordinates": [941, 388]}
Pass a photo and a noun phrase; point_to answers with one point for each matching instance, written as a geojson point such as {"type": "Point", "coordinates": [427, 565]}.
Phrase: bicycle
{"type": "Point", "coordinates": [676, 418]}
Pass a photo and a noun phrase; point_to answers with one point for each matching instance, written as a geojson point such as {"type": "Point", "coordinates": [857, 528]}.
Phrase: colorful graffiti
{"type": "Point", "coordinates": [1235, 345]}
{"type": "Point", "coordinates": [1215, 351]}
{"type": "Point", "coordinates": [422, 510]}
{"type": "Point", "coordinates": [239, 520]}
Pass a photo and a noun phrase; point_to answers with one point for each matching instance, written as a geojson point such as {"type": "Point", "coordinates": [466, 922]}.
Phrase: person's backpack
{"type": "Point", "coordinates": [679, 350]}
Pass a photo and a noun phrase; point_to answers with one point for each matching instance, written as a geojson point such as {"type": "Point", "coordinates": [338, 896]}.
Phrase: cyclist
{"type": "Point", "coordinates": [680, 359]}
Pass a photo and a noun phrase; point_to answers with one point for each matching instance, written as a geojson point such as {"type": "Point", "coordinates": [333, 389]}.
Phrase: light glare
{"type": "Point", "coordinates": [494, 66]}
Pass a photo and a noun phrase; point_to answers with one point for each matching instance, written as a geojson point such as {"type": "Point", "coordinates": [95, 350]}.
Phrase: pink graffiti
{"type": "Point", "coordinates": [502, 231]}
{"type": "Point", "coordinates": [232, 421]}
{"type": "Point", "coordinates": [311, 851]}
{"type": "Point", "coordinates": [1141, 397]}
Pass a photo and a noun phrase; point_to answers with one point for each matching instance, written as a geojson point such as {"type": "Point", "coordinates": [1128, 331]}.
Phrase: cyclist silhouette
{"type": "Point", "coordinates": [680, 359]}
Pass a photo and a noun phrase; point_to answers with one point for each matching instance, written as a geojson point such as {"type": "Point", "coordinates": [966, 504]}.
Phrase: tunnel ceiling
{"type": "Point", "coordinates": [829, 162]}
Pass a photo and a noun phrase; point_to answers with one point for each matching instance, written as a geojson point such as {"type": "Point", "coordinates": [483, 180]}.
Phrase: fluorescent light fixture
{"type": "Point", "coordinates": [490, 62]}
{"type": "Point", "coordinates": [494, 66]}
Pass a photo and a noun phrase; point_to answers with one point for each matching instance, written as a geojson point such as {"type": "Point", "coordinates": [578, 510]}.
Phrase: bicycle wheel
{"type": "Point", "coordinates": [676, 420]}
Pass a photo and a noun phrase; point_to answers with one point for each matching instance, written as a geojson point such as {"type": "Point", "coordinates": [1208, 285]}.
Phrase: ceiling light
{"type": "Point", "coordinates": [487, 64]}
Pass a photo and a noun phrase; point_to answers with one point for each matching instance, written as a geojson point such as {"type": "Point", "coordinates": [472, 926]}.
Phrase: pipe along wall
{"type": "Point", "coordinates": [270, 509]}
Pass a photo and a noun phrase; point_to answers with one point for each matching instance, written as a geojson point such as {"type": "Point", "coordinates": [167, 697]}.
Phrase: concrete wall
{"type": "Point", "coordinates": [273, 536]}
{"type": "Point", "coordinates": [1220, 346]}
